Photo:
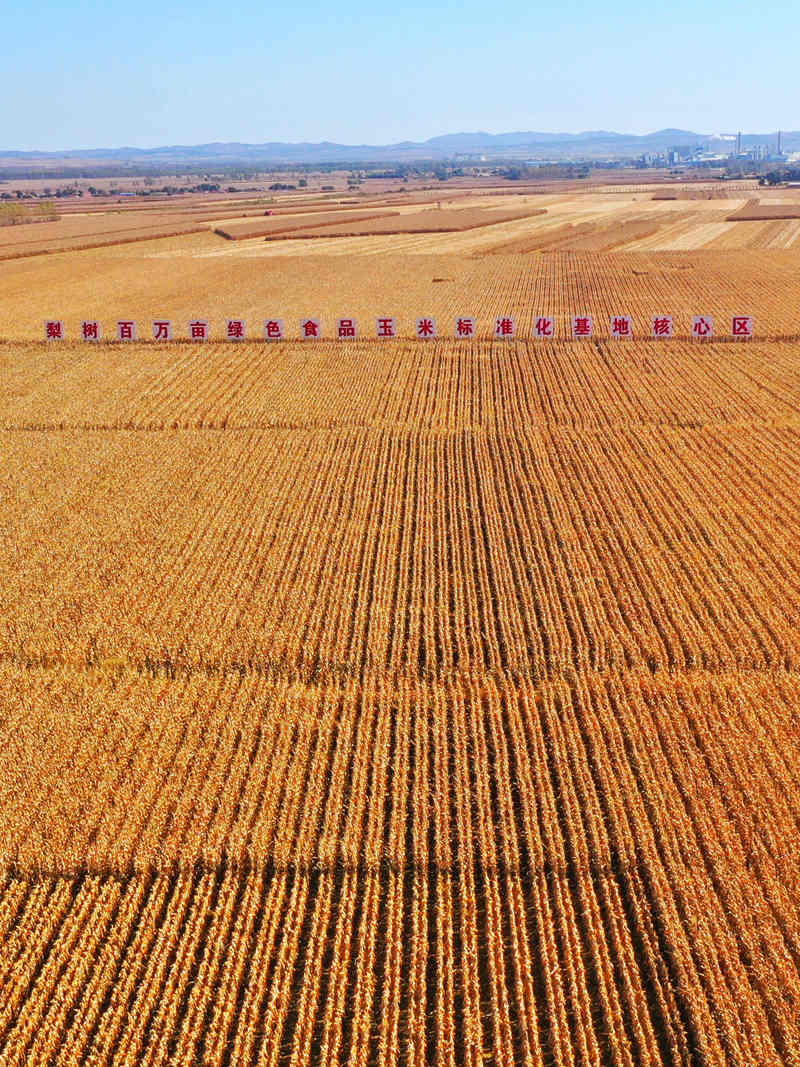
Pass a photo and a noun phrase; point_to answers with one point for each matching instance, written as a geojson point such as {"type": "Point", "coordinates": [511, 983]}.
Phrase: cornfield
{"type": "Point", "coordinates": [203, 276]}
{"type": "Point", "coordinates": [370, 703]}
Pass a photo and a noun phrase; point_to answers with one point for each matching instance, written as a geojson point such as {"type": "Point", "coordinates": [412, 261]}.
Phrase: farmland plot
{"type": "Point", "coordinates": [431, 703]}
{"type": "Point", "coordinates": [201, 275]}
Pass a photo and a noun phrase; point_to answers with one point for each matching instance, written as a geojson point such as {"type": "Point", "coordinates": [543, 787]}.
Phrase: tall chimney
{"type": "Point", "coordinates": [739, 143]}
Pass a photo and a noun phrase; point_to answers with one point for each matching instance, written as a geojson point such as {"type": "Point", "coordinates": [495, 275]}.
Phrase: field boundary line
{"type": "Point", "coordinates": [380, 684]}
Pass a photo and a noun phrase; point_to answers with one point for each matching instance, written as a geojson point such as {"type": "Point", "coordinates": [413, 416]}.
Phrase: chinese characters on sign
{"type": "Point", "coordinates": [346, 328]}
{"type": "Point", "coordinates": [582, 326]}
{"type": "Point", "coordinates": [621, 326]}
{"type": "Point", "coordinates": [662, 326]}
{"type": "Point", "coordinates": [273, 329]}
{"type": "Point", "coordinates": [702, 326]}
{"type": "Point", "coordinates": [162, 330]}
{"type": "Point", "coordinates": [198, 330]}
{"type": "Point", "coordinates": [425, 328]}
{"type": "Point", "coordinates": [386, 327]}
{"type": "Point", "coordinates": [126, 330]}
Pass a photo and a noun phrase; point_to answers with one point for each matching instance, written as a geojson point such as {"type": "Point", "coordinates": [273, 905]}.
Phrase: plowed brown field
{"type": "Point", "coordinates": [370, 703]}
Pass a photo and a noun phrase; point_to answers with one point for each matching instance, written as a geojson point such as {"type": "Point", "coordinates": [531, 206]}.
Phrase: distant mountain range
{"type": "Point", "coordinates": [521, 145]}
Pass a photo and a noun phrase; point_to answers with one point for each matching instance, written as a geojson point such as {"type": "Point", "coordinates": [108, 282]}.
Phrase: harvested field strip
{"type": "Point", "coordinates": [276, 226]}
{"type": "Point", "coordinates": [754, 210]}
{"type": "Point", "coordinates": [582, 236]}
{"type": "Point", "coordinates": [430, 221]}
{"type": "Point", "coordinates": [83, 244]}
{"type": "Point", "coordinates": [268, 209]}
{"type": "Point", "coordinates": [83, 227]}
{"type": "Point", "coordinates": [695, 229]}
{"type": "Point", "coordinates": [683, 237]}
{"type": "Point", "coordinates": [765, 234]}
{"type": "Point", "coordinates": [675, 226]}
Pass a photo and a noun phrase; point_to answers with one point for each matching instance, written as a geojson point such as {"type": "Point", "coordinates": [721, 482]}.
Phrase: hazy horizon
{"type": "Point", "coordinates": [146, 76]}
{"type": "Point", "coordinates": [599, 131]}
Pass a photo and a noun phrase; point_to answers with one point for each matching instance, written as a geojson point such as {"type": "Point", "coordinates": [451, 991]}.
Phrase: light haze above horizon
{"type": "Point", "coordinates": [148, 75]}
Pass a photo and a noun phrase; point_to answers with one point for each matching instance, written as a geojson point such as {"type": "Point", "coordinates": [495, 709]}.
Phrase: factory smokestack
{"type": "Point", "coordinates": [739, 143]}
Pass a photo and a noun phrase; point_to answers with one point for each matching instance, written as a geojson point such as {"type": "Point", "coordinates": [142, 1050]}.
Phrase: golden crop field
{"type": "Point", "coordinates": [378, 702]}
{"type": "Point", "coordinates": [203, 275]}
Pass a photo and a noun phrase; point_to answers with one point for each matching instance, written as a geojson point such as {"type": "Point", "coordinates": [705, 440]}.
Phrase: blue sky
{"type": "Point", "coordinates": [147, 74]}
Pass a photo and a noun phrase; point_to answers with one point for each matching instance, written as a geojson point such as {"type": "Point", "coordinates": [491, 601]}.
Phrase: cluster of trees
{"type": "Point", "coordinates": [164, 190]}
{"type": "Point", "coordinates": [12, 213]}
{"type": "Point", "coordinates": [781, 174]}
{"type": "Point", "coordinates": [47, 194]}
{"type": "Point", "coordinates": [520, 172]}
{"type": "Point", "coordinates": [396, 173]}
